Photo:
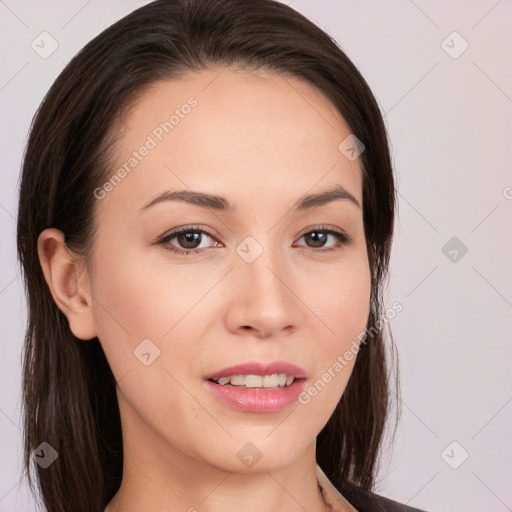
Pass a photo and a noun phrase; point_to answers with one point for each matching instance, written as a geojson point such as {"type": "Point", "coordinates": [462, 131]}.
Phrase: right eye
{"type": "Point", "coordinates": [190, 240]}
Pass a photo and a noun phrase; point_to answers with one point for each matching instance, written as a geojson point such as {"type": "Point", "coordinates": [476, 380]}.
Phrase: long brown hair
{"type": "Point", "coordinates": [69, 392]}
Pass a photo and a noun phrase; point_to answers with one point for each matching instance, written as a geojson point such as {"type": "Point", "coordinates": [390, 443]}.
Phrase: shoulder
{"type": "Point", "coordinates": [366, 501]}
{"type": "Point", "coordinates": [361, 499]}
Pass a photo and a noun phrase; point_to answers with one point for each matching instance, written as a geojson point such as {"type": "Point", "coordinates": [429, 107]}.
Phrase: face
{"type": "Point", "coordinates": [184, 287]}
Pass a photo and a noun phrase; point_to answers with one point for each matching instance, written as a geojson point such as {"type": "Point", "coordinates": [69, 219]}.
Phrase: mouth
{"type": "Point", "coordinates": [257, 387]}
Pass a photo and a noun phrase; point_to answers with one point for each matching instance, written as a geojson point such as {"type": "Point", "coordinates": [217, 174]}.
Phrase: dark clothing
{"type": "Point", "coordinates": [366, 501]}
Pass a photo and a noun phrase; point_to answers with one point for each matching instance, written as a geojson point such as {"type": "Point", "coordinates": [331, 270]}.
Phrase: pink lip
{"type": "Point", "coordinates": [256, 368]}
{"type": "Point", "coordinates": [258, 399]}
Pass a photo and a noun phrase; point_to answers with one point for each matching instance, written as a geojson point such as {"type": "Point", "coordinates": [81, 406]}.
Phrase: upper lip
{"type": "Point", "coordinates": [257, 368]}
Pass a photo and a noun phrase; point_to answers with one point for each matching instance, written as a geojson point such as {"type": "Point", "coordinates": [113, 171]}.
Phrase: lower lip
{"type": "Point", "coordinates": [257, 399]}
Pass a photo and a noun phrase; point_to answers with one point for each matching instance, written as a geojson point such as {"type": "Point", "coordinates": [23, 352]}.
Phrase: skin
{"type": "Point", "coordinates": [261, 141]}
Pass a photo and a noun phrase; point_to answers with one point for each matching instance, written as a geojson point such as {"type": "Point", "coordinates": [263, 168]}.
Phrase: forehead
{"type": "Point", "coordinates": [222, 130]}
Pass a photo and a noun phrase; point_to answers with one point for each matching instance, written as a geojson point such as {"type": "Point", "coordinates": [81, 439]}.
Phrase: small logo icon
{"type": "Point", "coordinates": [44, 45]}
{"type": "Point", "coordinates": [454, 249]}
{"type": "Point", "coordinates": [351, 147]}
{"type": "Point", "coordinates": [44, 455]}
{"type": "Point", "coordinates": [249, 455]}
{"type": "Point", "coordinates": [454, 455]}
{"type": "Point", "coordinates": [454, 45]}
{"type": "Point", "coordinates": [249, 249]}
{"type": "Point", "coordinates": [146, 352]}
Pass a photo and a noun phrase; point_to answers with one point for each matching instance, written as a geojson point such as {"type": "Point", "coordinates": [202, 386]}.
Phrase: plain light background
{"type": "Point", "coordinates": [448, 112]}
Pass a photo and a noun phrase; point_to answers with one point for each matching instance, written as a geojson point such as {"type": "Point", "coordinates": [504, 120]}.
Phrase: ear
{"type": "Point", "coordinates": [68, 282]}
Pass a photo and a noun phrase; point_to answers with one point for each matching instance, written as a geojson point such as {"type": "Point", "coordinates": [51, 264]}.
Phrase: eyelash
{"type": "Point", "coordinates": [342, 239]}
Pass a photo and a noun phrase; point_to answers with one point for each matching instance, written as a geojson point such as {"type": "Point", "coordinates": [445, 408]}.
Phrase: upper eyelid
{"type": "Point", "coordinates": [186, 229]}
{"type": "Point", "coordinates": [322, 227]}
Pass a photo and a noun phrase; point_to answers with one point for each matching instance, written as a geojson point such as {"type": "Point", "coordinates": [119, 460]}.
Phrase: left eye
{"type": "Point", "coordinates": [319, 238]}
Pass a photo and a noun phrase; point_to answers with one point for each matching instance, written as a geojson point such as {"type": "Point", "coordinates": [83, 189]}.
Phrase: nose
{"type": "Point", "coordinates": [263, 302]}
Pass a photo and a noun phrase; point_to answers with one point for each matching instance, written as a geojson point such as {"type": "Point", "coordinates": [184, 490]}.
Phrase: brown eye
{"type": "Point", "coordinates": [187, 241]}
{"type": "Point", "coordinates": [319, 238]}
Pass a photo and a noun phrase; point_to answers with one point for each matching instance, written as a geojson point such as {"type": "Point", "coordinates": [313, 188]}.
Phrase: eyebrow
{"type": "Point", "coordinates": [219, 203]}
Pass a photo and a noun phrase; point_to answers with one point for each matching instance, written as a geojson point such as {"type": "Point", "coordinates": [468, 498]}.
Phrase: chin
{"type": "Point", "coordinates": [259, 453]}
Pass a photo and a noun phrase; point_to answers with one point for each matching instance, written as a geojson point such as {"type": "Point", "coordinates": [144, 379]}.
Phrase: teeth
{"type": "Point", "coordinates": [271, 381]}
{"type": "Point", "coordinates": [257, 381]}
{"type": "Point", "coordinates": [237, 380]}
{"type": "Point", "coordinates": [253, 381]}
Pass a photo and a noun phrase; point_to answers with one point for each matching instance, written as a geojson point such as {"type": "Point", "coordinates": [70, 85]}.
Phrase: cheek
{"type": "Point", "coordinates": [146, 297]}
{"type": "Point", "coordinates": [137, 300]}
{"type": "Point", "coordinates": [128, 307]}
{"type": "Point", "coordinates": [342, 305]}
{"type": "Point", "coordinates": [141, 317]}
{"type": "Point", "coordinates": [342, 301]}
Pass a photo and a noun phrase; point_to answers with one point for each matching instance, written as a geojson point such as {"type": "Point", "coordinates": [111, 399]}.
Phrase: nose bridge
{"type": "Point", "coordinates": [263, 274]}
{"type": "Point", "coordinates": [263, 298]}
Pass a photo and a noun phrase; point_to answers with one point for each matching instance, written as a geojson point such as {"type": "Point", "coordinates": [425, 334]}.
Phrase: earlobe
{"type": "Point", "coordinates": [67, 284]}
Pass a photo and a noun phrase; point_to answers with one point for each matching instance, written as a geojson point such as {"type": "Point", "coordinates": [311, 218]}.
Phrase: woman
{"type": "Point", "coordinates": [205, 220]}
